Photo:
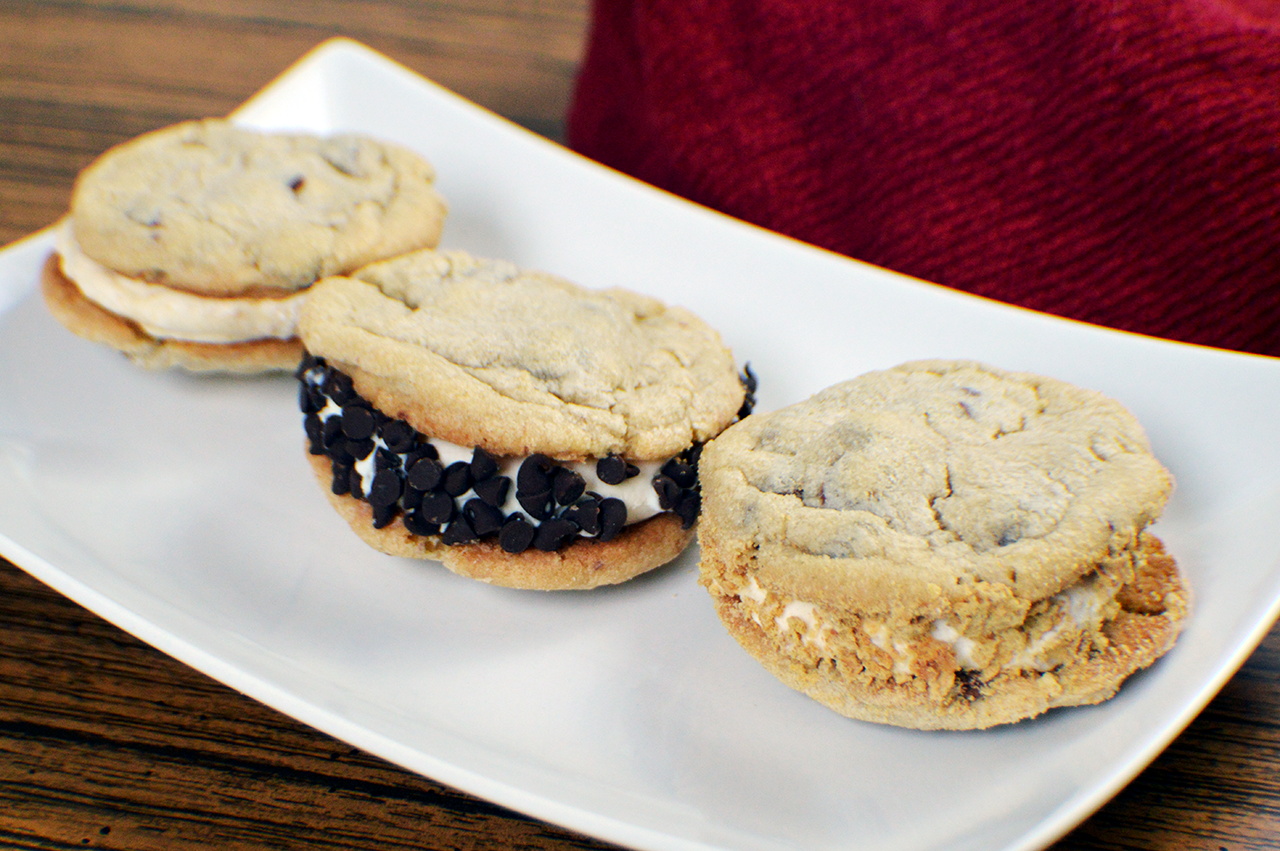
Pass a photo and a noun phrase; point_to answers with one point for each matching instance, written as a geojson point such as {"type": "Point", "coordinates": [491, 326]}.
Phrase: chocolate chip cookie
{"type": "Point", "coordinates": [193, 245]}
{"type": "Point", "coordinates": [519, 428]}
{"type": "Point", "coordinates": [942, 545]}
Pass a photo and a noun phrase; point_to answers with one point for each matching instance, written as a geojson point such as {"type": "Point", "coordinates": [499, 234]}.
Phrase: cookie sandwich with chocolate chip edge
{"type": "Point", "coordinates": [942, 545]}
{"type": "Point", "coordinates": [193, 246]}
{"type": "Point", "coordinates": [520, 429]}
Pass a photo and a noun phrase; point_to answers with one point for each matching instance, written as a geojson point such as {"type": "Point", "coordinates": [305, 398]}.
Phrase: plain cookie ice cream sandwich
{"type": "Point", "coordinates": [194, 245]}
{"type": "Point", "coordinates": [522, 430]}
{"type": "Point", "coordinates": [942, 545]}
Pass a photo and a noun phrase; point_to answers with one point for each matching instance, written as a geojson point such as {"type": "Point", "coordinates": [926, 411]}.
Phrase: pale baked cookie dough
{"type": "Point", "coordinates": [520, 429]}
{"type": "Point", "coordinates": [942, 545]}
{"type": "Point", "coordinates": [193, 245]}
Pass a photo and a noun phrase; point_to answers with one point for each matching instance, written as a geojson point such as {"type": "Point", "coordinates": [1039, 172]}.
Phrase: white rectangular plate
{"type": "Point", "coordinates": [183, 510]}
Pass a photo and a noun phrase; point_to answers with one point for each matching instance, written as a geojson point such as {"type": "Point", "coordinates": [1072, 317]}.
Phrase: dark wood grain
{"type": "Point", "coordinates": [108, 743]}
{"type": "Point", "coordinates": [77, 77]}
{"type": "Point", "coordinates": [105, 742]}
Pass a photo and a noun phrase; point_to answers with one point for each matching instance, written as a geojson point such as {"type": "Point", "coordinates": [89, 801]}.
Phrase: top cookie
{"type": "Point", "coordinates": [481, 353]}
{"type": "Point", "coordinates": [925, 478]}
{"type": "Point", "coordinates": [219, 210]}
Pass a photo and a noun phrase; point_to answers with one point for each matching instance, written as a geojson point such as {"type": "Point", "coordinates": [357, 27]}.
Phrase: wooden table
{"type": "Point", "coordinates": [105, 742]}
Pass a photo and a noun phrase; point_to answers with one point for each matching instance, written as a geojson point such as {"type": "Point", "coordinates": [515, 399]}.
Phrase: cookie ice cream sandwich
{"type": "Point", "coordinates": [942, 545]}
{"type": "Point", "coordinates": [193, 246]}
{"type": "Point", "coordinates": [522, 430]}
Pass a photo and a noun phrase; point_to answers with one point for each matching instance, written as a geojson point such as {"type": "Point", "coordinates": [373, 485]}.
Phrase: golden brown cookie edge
{"type": "Point", "coordinates": [1138, 639]}
{"type": "Point", "coordinates": [88, 320]}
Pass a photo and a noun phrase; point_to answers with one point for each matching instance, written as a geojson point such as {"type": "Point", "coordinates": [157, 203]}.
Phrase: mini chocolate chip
{"type": "Point", "coordinates": [410, 498]}
{"type": "Point", "coordinates": [680, 473]}
{"type": "Point", "coordinates": [517, 534]}
{"type": "Point", "coordinates": [338, 387]}
{"type": "Point", "coordinates": [538, 505]}
{"type": "Point", "coordinates": [458, 532]}
{"type": "Point", "coordinates": [385, 459]}
{"type": "Point", "coordinates": [567, 485]}
{"type": "Point", "coordinates": [1011, 535]}
{"type": "Point", "coordinates": [341, 477]}
{"type": "Point", "coordinates": [307, 400]}
{"type": "Point", "coordinates": [553, 534]}
{"type": "Point", "coordinates": [357, 484]}
{"type": "Point", "coordinates": [693, 455]}
{"type": "Point", "coordinates": [426, 474]}
{"type": "Point", "coordinates": [310, 394]}
{"type": "Point", "coordinates": [457, 478]}
{"type": "Point", "coordinates": [969, 685]}
{"type": "Point", "coordinates": [332, 432]}
{"type": "Point", "coordinates": [534, 474]}
{"type": "Point", "coordinates": [399, 436]}
{"type": "Point", "coordinates": [585, 514]}
{"type": "Point", "coordinates": [689, 507]}
{"type": "Point", "coordinates": [315, 434]}
{"type": "Point", "coordinates": [360, 449]}
{"type": "Point", "coordinates": [357, 422]}
{"type": "Point", "coordinates": [749, 385]}
{"type": "Point", "coordinates": [483, 465]}
{"type": "Point", "coordinates": [338, 452]}
{"type": "Point", "coordinates": [668, 492]}
{"type": "Point", "coordinates": [305, 364]}
{"type": "Point", "coordinates": [297, 183]}
{"type": "Point", "coordinates": [414, 455]}
{"type": "Point", "coordinates": [611, 470]}
{"type": "Point", "coordinates": [437, 507]}
{"type": "Point", "coordinates": [383, 515]}
{"type": "Point", "coordinates": [485, 519]}
{"type": "Point", "coordinates": [418, 525]}
{"type": "Point", "coordinates": [493, 490]}
{"type": "Point", "coordinates": [385, 488]}
{"type": "Point", "coordinates": [613, 516]}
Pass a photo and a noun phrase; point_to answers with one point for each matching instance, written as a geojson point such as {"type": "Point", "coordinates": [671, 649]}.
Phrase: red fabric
{"type": "Point", "coordinates": [1116, 161]}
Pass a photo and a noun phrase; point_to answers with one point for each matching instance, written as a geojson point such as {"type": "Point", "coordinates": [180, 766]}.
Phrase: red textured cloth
{"type": "Point", "coordinates": [1116, 161]}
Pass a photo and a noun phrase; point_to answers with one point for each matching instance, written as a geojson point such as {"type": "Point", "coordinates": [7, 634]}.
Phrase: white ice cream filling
{"type": "Point", "coordinates": [1081, 606]}
{"type": "Point", "coordinates": [637, 491]}
{"type": "Point", "coordinates": [166, 313]}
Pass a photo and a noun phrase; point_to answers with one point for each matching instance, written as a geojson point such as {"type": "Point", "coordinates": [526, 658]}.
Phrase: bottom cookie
{"type": "Point", "coordinates": [915, 678]}
{"type": "Point", "coordinates": [86, 319]}
{"type": "Point", "coordinates": [581, 565]}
